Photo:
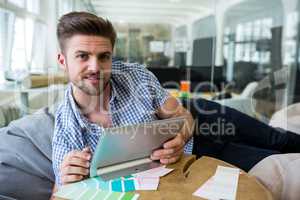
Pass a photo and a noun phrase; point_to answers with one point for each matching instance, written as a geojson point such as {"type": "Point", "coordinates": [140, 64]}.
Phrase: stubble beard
{"type": "Point", "coordinates": [90, 90]}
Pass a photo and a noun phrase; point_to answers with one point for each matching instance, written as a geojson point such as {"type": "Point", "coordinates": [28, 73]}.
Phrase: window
{"type": "Point", "coordinates": [290, 43]}
{"type": "Point", "coordinates": [19, 3]}
{"type": "Point", "coordinates": [18, 57]}
{"type": "Point", "coordinates": [38, 48]}
{"type": "Point", "coordinates": [239, 49]}
{"type": "Point", "coordinates": [16, 37]}
{"type": "Point", "coordinates": [239, 33]}
{"type": "Point", "coordinates": [29, 25]}
{"type": "Point", "coordinates": [26, 54]}
{"type": "Point", "coordinates": [266, 28]}
{"type": "Point", "coordinates": [64, 7]}
{"type": "Point", "coordinates": [249, 37]}
{"type": "Point", "coordinates": [257, 30]}
{"type": "Point", "coordinates": [33, 6]}
{"type": "Point", "coordinates": [248, 31]}
{"type": "Point", "coordinates": [6, 24]}
{"type": "Point", "coordinates": [2, 39]}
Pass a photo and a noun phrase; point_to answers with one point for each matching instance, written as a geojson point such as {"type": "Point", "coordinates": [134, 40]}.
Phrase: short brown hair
{"type": "Point", "coordinates": [83, 23]}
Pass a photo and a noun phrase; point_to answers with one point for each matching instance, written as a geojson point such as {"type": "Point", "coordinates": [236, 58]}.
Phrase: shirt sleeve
{"type": "Point", "coordinates": [158, 93]}
{"type": "Point", "coordinates": [60, 147]}
{"type": "Point", "coordinates": [188, 148]}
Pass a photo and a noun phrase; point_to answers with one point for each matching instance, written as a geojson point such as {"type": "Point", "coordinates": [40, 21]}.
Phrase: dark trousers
{"type": "Point", "coordinates": [234, 137]}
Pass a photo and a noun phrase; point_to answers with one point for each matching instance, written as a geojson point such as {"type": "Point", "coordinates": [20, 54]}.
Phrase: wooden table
{"type": "Point", "coordinates": [190, 174]}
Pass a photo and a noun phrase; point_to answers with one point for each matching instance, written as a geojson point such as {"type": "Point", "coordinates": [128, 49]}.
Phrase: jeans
{"type": "Point", "coordinates": [234, 137]}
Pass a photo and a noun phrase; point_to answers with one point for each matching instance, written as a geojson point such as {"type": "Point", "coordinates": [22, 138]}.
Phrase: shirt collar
{"type": "Point", "coordinates": [78, 115]}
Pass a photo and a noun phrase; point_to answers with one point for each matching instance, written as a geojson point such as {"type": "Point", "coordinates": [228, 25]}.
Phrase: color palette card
{"type": "Point", "coordinates": [146, 180]}
{"type": "Point", "coordinates": [223, 185]}
{"type": "Point", "coordinates": [122, 184]}
{"type": "Point", "coordinates": [73, 192]}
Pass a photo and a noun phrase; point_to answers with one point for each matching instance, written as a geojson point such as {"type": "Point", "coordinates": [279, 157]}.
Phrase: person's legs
{"type": "Point", "coordinates": [244, 156]}
{"type": "Point", "coordinates": [251, 142]}
{"type": "Point", "coordinates": [224, 124]}
{"type": "Point", "coordinates": [240, 155]}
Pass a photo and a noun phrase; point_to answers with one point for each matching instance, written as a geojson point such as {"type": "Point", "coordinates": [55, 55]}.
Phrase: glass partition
{"type": "Point", "coordinates": [261, 46]}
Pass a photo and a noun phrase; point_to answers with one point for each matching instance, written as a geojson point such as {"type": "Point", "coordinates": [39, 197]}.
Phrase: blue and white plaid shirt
{"type": "Point", "coordinates": [135, 95]}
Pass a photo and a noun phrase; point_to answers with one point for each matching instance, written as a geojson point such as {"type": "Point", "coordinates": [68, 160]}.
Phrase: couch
{"type": "Point", "coordinates": [25, 157]}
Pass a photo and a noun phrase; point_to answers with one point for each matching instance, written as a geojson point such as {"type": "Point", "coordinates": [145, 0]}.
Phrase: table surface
{"type": "Point", "coordinates": [190, 174]}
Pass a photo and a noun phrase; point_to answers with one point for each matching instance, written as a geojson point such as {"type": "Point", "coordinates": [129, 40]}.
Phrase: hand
{"type": "Point", "coordinates": [75, 166]}
{"type": "Point", "coordinates": [171, 152]}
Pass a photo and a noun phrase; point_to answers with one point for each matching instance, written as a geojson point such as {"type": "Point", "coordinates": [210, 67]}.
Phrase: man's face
{"type": "Point", "coordinates": [87, 60]}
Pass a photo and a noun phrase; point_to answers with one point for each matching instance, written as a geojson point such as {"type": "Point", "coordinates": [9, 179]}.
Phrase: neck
{"type": "Point", "coordinates": [91, 103]}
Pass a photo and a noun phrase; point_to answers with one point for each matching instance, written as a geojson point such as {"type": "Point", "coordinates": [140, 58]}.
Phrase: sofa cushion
{"type": "Point", "coordinates": [280, 174]}
{"type": "Point", "coordinates": [25, 157]}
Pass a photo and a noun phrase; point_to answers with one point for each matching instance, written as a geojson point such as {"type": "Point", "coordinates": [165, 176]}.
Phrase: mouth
{"type": "Point", "coordinates": [93, 77]}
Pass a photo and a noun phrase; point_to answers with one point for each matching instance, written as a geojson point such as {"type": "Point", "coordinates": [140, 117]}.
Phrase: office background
{"type": "Point", "coordinates": [230, 43]}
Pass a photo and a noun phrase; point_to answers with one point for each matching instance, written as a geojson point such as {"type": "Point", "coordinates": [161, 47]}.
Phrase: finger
{"type": "Point", "coordinates": [176, 152]}
{"type": "Point", "coordinates": [74, 161]}
{"type": "Point", "coordinates": [86, 149]}
{"type": "Point", "coordinates": [71, 178]}
{"type": "Point", "coordinates": [154, 157]}
{"type": "Point", "coordinates": [177, 141]}
{"type": "Point", "coordinates": [163, 152]}
{"type": "Point", "coordinates": [79, 154]}
{"type": "Point", "coordinates": [72, 170]}
{"type": "Point", "coordinates": [167, 152]}
{"type": "Point", "coordinates": [69, 160]}
{"type": "Point", "coordinates": [166, 161]}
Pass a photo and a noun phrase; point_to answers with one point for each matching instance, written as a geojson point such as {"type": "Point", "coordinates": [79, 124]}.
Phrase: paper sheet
{"type": "Point", "coordinates": [155, 172]}
{"type": "Point", "coordinates": [223, 185]}
{"type": "Point", "coordinates": [149, 180]}
{"type": "Point", "coordinates": [144, 183]}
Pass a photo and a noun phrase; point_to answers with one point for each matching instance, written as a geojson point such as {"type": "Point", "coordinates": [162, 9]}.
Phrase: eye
{"type": "Point", "coordinates": [82, 56]}
{"type": "Point", "coordinates": [104, 57]}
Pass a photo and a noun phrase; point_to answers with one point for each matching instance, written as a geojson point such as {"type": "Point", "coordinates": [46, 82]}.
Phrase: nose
{"type": "Point", "coordinates": [94, 65]}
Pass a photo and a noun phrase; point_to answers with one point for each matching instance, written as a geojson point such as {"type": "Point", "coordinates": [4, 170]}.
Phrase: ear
{"type": "Point", "coordinates": [62, 61]}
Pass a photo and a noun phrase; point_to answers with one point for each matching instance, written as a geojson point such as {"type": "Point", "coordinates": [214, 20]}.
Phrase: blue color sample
{"type": "Point", "coordinates": [116, 186]}
{"type": "Point", "coordinates": [129, 185]}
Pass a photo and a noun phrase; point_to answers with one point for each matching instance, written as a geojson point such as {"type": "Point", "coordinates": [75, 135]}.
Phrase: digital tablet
{"type": "Point", "coordinates": [126, 150]}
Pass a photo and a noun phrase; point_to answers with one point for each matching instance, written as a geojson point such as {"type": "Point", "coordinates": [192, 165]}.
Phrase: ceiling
{"type": "Point", "coordinates": [173, 12]}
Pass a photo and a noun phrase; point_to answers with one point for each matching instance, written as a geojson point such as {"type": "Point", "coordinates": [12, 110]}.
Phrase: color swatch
{"type": "Point", "coordinates": [75, 192]}
{"type": "Point", "coordinates": [96, 188]}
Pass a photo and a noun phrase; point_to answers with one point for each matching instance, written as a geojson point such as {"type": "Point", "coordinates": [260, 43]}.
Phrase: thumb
{"type": "Point", "coordinates": [86, 149]}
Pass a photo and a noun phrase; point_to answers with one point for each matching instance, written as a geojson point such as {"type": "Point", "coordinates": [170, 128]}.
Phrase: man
{"type": "Point", "coordinates": [103, 93]}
